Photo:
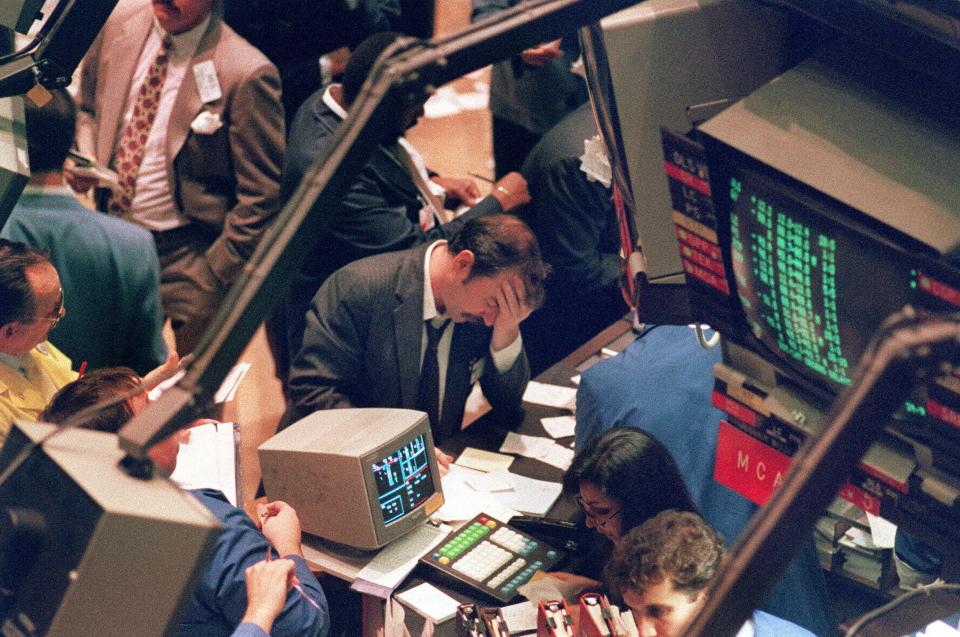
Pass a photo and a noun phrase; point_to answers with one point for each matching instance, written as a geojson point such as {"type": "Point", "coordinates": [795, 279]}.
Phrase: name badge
{"type": "Point", "coordinates": [208, 84]}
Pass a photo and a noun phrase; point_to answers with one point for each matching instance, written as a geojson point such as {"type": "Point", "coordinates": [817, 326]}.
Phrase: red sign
{"type": "Point", "coordinates": [860, 498]}
{"type": "Point", "coordinates": [748, 466]}
{"type": "Point", "coordinates": [686, 178]}
{"type": "Point", "coordinates": [728, 405]}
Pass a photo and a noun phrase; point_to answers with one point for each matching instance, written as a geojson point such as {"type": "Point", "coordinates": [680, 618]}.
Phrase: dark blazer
{"type": "Point", "coordinates": [227, 181]}
{"type": "Point", "coordinates": [362, 346]}
{"type": "Point", "coordinates": [380, 213]}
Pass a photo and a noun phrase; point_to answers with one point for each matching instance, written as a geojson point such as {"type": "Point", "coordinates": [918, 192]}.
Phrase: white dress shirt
{"type": "Point", "coordinates": [153, 204]}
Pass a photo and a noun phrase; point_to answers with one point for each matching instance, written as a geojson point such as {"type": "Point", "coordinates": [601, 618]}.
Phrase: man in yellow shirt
{"type": "Point", "coordinates": [31, 304]}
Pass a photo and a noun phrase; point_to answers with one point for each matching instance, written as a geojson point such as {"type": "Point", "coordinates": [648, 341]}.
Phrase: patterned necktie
{"type": "Point", "coordinates": [428, 391]}
{"type": "Point", "coordinates": [133, 140]}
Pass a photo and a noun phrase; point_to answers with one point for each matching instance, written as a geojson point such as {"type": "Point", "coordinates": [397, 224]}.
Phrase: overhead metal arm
{"type": "Point", "coordinates": [905, 351]}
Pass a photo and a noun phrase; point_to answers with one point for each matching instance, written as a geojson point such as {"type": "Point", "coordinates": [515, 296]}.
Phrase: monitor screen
{"type": "Point", "coordinates": [403, 479]}
{"type": "Point", "coordinates": [812, 291]}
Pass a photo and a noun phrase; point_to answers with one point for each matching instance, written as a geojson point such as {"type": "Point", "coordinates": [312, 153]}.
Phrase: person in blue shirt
{"type": "Point", "coordinates": [663, 569]}
{"type": "Point", "coordinates": [219, 602]}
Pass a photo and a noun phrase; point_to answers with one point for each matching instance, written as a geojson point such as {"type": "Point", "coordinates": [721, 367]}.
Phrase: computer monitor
{"type": "Point", "coordinates": [666, 57]}
{"type": "Point", "coordinates": [86, 549]}
{"type": "Point", "coordinates": [357, 477]}
{"type": "Point", "coordinates": [820, 216]}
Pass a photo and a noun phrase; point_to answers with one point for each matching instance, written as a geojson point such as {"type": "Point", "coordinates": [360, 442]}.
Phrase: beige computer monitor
{"type": "Point", "coordinates": [357, 477]}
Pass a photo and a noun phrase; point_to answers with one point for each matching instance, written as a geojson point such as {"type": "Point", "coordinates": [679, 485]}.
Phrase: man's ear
{"type": "Point", "coordinates": [463, 264]}
{"type": "Point", "coordinates": [8, 330]}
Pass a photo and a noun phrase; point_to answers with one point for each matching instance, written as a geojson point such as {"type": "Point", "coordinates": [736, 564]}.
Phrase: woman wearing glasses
{"type": "Point", "coordinates": [621, 479]}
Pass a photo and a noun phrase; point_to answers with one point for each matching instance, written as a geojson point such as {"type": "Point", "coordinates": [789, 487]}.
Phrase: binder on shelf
{"type": "Point", "coordinates": [493, 621]}
{"type": "Point", "coordinates": [554, 620]}
{"type": "Point", "coordinates": [469, 623]}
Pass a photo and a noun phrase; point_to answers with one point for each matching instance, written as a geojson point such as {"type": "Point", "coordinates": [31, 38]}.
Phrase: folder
{"type": "Point", "coordinates": [554, 620]}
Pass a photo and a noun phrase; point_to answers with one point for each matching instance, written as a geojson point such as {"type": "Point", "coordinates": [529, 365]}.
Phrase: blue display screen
{"type": "Point", "coordinates": [403, 479]}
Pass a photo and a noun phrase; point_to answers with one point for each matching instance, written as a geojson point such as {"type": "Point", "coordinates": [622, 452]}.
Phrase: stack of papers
{"type": "Point", "coordinates": [431, 602]}
{"type": "Point", "coordinates": [500, 494]}
{"type": "Point", "coordinates": [381, 576]}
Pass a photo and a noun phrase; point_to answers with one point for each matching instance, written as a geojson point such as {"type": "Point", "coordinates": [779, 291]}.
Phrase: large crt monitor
{"type": "Point", "coordinates": [806, 214]}
{"type": "Point", "coordinates": [820, 209]}
{"type": "Point", "coordinates": [358, 477]}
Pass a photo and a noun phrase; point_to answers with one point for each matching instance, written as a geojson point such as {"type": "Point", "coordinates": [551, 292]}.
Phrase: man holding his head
{"type": "Point", "coordinates": [663, 570]}
{"type": "Point", "coordinates": [31, 304]}
{"type": "Point", "coordinates": [219, 604]}
{"type": "Point", "coordinates": [415, 329]}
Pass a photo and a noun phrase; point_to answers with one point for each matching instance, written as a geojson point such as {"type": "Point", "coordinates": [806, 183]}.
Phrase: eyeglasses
{"type": "Point", "coordinates": [58, 313]}
{"type": "Point", "coordinates": [600, 518]}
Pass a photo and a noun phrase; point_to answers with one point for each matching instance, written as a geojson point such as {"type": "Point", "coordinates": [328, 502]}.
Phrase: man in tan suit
{"type": "Point", "coordinates": [189, 115]}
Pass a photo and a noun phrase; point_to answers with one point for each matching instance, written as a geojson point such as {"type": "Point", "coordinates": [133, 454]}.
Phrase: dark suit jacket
{"type": "Point", "coordinates": [362, 345]}
{"type": "Point", "coordinates": [380, 213]}
{"type": "Point", "coordinates": [227, 181]}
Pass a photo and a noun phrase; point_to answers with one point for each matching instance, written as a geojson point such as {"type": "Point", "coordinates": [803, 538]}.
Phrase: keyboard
{"type": "Point", "coordinates": [491, 557]}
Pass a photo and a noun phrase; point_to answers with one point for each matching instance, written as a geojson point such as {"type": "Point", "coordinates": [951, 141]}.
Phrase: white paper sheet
{"type": "Point", "coordinates": [483, 460]}
{"type": "Point", "coordinates": [462, 502]}
{"type": "Point", "coordinates": [529, 495]}
{"type": "Point", "coordinates": [430, 601]}
{"type": "Point", "coordinates": [559, 426]}
{"type": "Point", "coordinates": [520, 618]}
{"type": "Point", "coordinates": [550, 395]}
{"type": "Point", "coordinates": [209, 460]}
{"type": "Point", "coordinates": [527, 446]}
{"type": "Point", "coordinates": [393, 563]}
{"type": "Point", "coordinates": [558, 456]}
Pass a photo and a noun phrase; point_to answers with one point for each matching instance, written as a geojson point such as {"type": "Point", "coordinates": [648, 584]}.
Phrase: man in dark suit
{"type": "Point", "coordinates": [188, 113]}
{"type": "Point", "coordinates": [385, 209]}
{"type": "Point", "coordinates": [382, 330]}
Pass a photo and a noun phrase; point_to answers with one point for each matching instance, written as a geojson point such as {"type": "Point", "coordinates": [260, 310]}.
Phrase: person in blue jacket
{"type": "Point", "coordinates": [218, 604]}
{"type": "Point", "coordinates": [663, 569]}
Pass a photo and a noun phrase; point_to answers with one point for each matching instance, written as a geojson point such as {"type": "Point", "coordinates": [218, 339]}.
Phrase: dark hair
{"type": "Point", "coordinates": [90, 389]}
{"type": "Point", "coordinates": [17, 301]}
{"type": "Point", "coordinates": [50, 131]}
{"type": "Point", "coordinates": [362, 60]}
{"type": "Point", "coordinates": [635, 468]}
{"type": "Point", "coordinates": [675, 545]}
{"type": "Point", "coordinates": [503, 242]}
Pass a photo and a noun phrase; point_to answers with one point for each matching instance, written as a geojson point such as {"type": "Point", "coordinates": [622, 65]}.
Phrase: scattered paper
{"type": "Point", "coordinates": [520, 618]}
{"type": "Point", "coordinates": [882, 531]}
{"type": "Point", "coordinates": [558, 456]}
{"type": "Point", "coordinates": [392, 564]}
{"type": "Point", "coordinates": [560, 426]}
{"type": "Point", "coordinates": [209, 459]}
{"type": "Point", "coordinates": [575, 379]}
{"type": "Point", "coordinates": [550, 395]}
{"type": "Point", "coordinates": [481, 460]}
{"type": "Point", "coordinates": [228, 388]}
{"type": "Point", "coordinates": [527, 446]}
{"type": "Point", "coordinates": [544, 587]}
{"type": "Point", "coordinates": [463, 502]}
{"type": "Point", "coordinates": [529, 495]}
{"type": "Point", "coordinates": [431, 602]}
{"type": "Point", "coordinates": [497, 481]}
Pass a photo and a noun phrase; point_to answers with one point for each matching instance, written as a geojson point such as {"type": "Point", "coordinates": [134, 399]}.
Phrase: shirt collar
{"type": "Point", "coordinates": [333, 104]}
{"type": "Point", "coordinates": [188, 40]}
{"type": "Point", "coordinates": [429, 303]}
{"type": "Point", "coordinates": [13, 362]}
{"type": "Point", "coordinates": [59, 191]}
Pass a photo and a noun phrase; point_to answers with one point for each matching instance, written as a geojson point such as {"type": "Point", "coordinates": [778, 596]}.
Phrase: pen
{"type": "Point", "coordinates": [481, 177]}
{"type": "Point", "coordinates": [83, 368]}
